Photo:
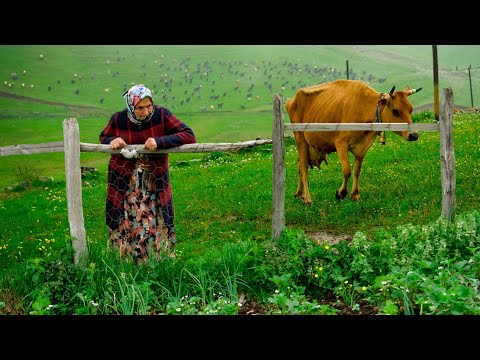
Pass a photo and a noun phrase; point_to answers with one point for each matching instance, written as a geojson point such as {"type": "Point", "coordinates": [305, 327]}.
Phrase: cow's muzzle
{"type": "Point", "coordinates": [412, 136]}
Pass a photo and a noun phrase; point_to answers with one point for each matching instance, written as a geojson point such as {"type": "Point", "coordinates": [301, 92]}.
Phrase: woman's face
{"type": "Point", "coordinates": [144, 108]}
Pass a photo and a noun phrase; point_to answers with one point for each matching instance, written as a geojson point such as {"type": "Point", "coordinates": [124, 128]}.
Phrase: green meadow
{"type": "Point", "coordinates": [400, 256]}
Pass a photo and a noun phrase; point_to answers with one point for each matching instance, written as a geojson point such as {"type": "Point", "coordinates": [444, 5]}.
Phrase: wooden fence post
{"type": "Point", "coordinates": [73, 176]}
{"type": "Point", "coordinates": [278, 217]}
{"type": "Point", "coordinates": [447, 156]}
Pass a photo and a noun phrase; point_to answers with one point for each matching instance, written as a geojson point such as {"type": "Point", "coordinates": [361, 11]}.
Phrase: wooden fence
{"type": "Point", "coordinates": [72, 148]}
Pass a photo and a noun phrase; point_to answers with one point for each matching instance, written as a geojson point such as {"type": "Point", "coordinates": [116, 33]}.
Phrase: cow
{"type": "Point", "coordinates": [343, 101]}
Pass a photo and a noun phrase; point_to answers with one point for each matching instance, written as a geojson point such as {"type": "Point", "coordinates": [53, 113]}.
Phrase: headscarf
{"type": "Point", "coordinates": [132, 97]}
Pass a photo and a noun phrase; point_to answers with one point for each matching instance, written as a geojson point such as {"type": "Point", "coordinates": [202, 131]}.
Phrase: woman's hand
{"type": "Point", "coordinates": [150, 144]}
{"type": "Point", "coordinates": [118, 143]}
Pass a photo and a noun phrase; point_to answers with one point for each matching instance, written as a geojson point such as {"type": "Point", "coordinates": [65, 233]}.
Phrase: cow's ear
{"type": "Point", "coordinates": [406, 88]}
{"type": "Point", "coordinates": [382, 102]}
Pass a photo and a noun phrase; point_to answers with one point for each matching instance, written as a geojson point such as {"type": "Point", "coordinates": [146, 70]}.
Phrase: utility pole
{"type": "Point", "coordinates": [470, 79]}
{"type": "Point", "coordinates": [436, 103]}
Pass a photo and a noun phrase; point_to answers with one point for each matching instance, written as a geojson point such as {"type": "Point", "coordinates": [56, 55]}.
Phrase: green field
{"type": "Point", "coordinates": [70, 81]}
{"type": "Point", "coordinates": [177, 70]}
{"type": "Point", "coordinates": [223, 201]}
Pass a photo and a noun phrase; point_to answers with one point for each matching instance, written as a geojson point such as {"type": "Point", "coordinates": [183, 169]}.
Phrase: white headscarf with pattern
{"type": "Point", "coordinates": [132, 97]}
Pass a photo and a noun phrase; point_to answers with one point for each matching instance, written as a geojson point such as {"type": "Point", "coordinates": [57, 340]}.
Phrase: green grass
{"type": "Point", "coordinates": [66, 69]}
{"type": "Point", "coordinates": [223, 204]}
{"type": "Point", "coordinates": [224, 201]}
{"type": "Point", "coordinates": [224, 196]}
{"type": "Point", "coordinates": [219, 68]}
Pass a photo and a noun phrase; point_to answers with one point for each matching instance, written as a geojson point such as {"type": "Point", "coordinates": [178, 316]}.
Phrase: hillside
{"type": "Point", "coordinates": [192, 78]}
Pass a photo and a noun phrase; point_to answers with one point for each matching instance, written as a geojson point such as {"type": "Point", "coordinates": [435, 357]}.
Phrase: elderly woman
{"type": "Point", "coordinates": [139, 204]}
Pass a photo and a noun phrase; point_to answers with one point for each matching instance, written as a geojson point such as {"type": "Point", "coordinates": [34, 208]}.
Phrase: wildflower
{"type": "Point", "coordinates": [345, 282]}
{"type": "Point", "coordinates": [327, 247]}
{"type": "Point", "coordinates": [316, 275]}
{"type": "Point", "coordinates": [364, 288]}
{"type": "Point", "coordinates": [320, 268]}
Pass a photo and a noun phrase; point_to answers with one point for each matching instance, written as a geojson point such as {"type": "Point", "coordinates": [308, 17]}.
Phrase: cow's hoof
{"type": "Point", "coordinates": [340, 196]}
{"type": "Point", "coordinates": [302, 198]}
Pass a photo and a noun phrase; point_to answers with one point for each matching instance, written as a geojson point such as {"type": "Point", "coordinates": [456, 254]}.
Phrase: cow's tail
{"type": "Point", "coordinates": [292, 109]}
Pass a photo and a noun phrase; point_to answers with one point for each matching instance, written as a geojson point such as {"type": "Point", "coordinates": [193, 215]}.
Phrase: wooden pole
{"type": "Point", "coordinates": [278, 217]}
{"type": "Point", "coordinates": [73, 177]}
{"type": "Point", "coordinates": [435, 82]}
{"type": "Point", "coordinates": [470, 81]}
{"type": "Point", "coordinates": [447, 156]}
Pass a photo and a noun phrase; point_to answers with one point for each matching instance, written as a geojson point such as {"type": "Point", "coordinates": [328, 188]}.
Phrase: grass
{"type": "Point", "coordinates": [402, 258]}
{"type": "Point", "coordinates": [223, 204]}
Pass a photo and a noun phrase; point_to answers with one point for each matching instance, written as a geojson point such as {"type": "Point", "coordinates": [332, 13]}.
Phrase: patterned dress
{"type": "Point", "coordinates": [142, 231]}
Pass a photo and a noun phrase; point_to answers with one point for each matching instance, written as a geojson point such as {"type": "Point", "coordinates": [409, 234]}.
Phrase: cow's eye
{"type": "Point", "coordinates": [396, 113]}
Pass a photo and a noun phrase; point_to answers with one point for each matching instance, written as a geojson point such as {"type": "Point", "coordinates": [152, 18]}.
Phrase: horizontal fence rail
{"type": "Point", "coordinates": [27, 149]}
{"type": "Point", "coordinates": [187, 148]}
{"type": "Point", "coordinates": [362, 127]}
{"type": "Point", "coordinates": [58, 146]}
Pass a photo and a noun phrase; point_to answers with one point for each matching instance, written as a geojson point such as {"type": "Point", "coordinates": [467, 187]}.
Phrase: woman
{"type": "Point", "coordinates": [139, 204]}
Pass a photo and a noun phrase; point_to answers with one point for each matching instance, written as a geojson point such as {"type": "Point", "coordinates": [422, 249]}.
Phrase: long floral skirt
{"type": "Point", "coordinates": [142, 233]}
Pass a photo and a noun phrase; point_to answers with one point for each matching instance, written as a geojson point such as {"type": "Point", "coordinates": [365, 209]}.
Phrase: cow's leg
{"type": "Point", "coordinates": [357, 167]}
{"type": "Point", "coordinates": [302, 149]}
{"type": "Point", "coordinates": [343, 157]}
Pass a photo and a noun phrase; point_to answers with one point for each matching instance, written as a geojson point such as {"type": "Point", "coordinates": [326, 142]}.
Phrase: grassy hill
{"type": "Point", "coordinates": [224, 92]}
{"type": "Point", "coordinates": [390, 251]}
{"type": "Point", "coordinates": [79, 74]}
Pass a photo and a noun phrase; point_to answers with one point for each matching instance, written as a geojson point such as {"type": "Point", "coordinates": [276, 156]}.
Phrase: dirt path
{"type": "Point", "coordinates": [94, 108]}
{"type": "Point", "coordinates": [27, 98]}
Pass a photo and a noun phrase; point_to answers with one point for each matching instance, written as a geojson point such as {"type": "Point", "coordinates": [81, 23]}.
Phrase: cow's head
{"type": "Point", "coordinates": [394, 107]}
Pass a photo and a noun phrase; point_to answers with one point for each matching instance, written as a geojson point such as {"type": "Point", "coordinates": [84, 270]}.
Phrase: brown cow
{"type": "Point", "coordinates": [343, 101]}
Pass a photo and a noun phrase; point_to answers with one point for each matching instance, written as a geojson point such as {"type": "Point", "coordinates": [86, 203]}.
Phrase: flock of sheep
{"type": "Point", "coordinates": [206, 85]}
